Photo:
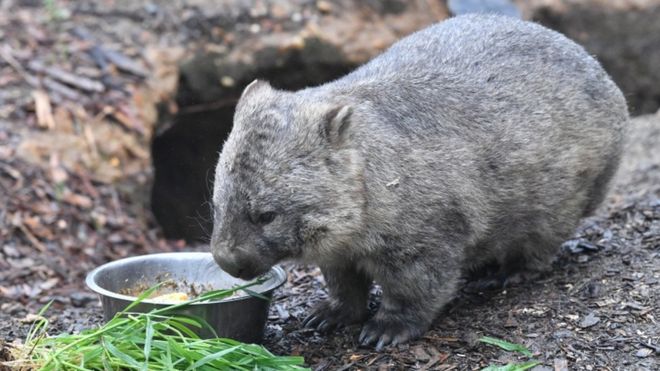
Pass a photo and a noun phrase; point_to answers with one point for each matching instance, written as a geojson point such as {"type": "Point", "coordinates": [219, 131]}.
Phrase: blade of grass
{"type": "Point", "coordinates": [130, 361]}
{"type": "Point", "coordinates": [255, 294]}
{"type": "Point", "coordinates": [211, 357]}
{"type": "Point", "coordinates": [181, 329]}
{"type": "Point", "coordinates": [189, 320]}
{"type": "Point", "coordinates": [511, 347]}
{"type": "Point", "coordinates": [149, 335]}
{"type": "Point", "coordinates": [106, 362]}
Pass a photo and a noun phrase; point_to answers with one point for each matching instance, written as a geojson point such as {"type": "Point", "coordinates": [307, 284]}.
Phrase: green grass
{"type": "Point", "coordinates": [157, 340]}
{"type": "Point", "coordinates": [510, 347]}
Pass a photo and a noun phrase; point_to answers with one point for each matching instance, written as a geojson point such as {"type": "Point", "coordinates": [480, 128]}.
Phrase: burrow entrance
{"type": "Point", "coordinates": [185, 148]}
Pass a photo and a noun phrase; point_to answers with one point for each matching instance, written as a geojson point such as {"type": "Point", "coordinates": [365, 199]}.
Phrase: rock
{"type": "Point", "coordinates": [623, 35]}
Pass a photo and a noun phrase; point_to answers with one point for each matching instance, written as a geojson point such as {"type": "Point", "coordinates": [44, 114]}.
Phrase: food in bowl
{"type": "Point", "coordinates": [172, 298]}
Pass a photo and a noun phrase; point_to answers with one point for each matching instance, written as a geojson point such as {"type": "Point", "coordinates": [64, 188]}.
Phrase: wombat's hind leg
{"type": "Point", "coordinates": [412, 296]}
{"type": "Point", "coordinates": [532, 257]}
{"type": "Point", "coordinates": [347, 304]}
{"type": "Point", "coordinates": [601, 187]}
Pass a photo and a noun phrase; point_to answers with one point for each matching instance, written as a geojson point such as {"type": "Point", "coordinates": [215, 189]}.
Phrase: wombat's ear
{"type": "Point", "coordinates": [254, 86]}
{"type": "Point", "coordinates": [335, 124]}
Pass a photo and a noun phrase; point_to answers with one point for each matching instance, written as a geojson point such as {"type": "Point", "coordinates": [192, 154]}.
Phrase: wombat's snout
{"type": "Point", "coordinates": [235, 266]}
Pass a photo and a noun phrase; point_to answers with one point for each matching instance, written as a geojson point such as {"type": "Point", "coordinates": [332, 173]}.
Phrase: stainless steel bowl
{"type": "Point", "coordinates": [240, 317]}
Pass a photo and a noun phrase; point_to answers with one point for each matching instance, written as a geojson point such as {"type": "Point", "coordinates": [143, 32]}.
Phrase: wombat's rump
{"type": "Point", "coordinates": [480, 139]}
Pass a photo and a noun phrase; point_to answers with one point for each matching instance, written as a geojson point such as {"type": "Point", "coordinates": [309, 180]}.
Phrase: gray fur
{"type": "Point", "coordinates": [479, 139]}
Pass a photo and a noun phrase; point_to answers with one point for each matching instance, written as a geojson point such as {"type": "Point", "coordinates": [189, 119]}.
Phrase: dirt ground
{"type": "Point", "coordinates": [598, 310]}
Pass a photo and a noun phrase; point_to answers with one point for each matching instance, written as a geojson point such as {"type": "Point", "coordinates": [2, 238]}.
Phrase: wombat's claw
{"type": "Point", "coordinates": [385, 333]}
{"type": "Point", "coordinates": [326, 317]}
{"type": "Point", "coordinates": [317, 322]}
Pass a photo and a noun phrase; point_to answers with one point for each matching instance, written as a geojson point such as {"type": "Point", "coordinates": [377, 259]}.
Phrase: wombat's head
{"type": "Point", "coordinates": [288, 184]}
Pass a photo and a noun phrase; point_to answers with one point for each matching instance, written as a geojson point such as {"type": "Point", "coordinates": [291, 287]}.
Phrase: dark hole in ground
{"type": "Point", "coordinates": [185, 154]}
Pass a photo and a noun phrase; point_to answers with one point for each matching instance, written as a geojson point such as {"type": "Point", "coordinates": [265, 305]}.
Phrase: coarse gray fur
{"type": "Point", "coordinates": [479, 139]}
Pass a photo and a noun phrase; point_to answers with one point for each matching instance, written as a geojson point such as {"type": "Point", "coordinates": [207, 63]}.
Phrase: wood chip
{"type": "Point", "coordinates": [31, 318]}
{"type": "Point", "coordinates": [43, 109]}
{"type": "Point", "coordinates": [644, 352]}
{"type": "Point", "coordinates": [590, 320]}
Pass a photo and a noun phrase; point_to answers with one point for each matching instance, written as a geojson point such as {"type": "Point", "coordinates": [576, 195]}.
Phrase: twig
{"type": "Point", "coordinates": [61, 89]}
{"type": "Point", "coordinates": [103, 56]}
{"type": "Point", "coordinates": [33, 240]}
{"type": "Point", "coordinates": [6, 54]}
{"type": "Point", "coordinates": [80, 82]}
{"type": "Point", "coordinates": [124, 63]}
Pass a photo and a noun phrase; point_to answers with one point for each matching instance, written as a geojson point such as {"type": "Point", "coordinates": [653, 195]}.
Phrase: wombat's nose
{"type": "Point", "coordinates": [228, 264]}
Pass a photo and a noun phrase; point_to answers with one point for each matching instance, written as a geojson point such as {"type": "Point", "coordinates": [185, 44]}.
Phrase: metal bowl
{"type": "Point", "coordinates": [239, 317]}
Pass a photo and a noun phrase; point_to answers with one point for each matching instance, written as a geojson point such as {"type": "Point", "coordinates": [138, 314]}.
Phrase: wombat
{"type": "Point", "coordinates": [478, 140]}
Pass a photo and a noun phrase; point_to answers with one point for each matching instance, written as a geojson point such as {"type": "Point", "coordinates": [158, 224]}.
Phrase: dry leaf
{"type": "Point", "coordinates": [77, 200]}
{"type": "Point", "coordinates": [38, 229]}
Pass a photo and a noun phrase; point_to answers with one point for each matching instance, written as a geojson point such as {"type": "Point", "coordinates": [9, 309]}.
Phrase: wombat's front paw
{"type": "Point", "coordinates": [385, 332]}
{"type": "Point", "coordinates": [328, 315]}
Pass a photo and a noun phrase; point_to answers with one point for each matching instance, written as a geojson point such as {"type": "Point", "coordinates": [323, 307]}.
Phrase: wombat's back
{"type": "Point", "coordinates": [468, 67]}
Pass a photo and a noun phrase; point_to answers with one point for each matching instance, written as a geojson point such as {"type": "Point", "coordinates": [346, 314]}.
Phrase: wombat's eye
{"type": "Point", "coordinates": [265, 218]}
